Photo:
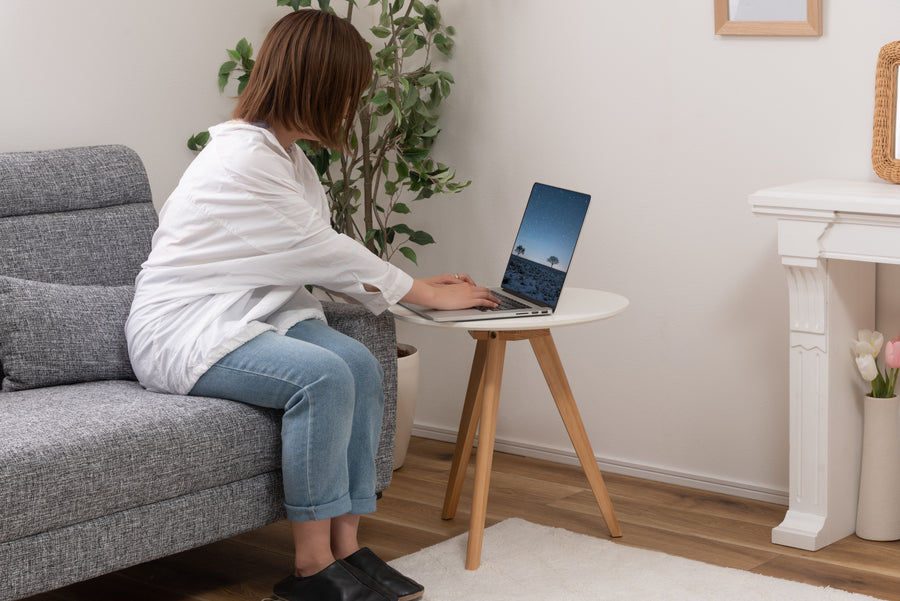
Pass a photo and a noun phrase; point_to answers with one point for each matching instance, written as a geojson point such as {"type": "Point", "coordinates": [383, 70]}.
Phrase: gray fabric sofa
{"type": "Point", "coordinates": [96, 473]}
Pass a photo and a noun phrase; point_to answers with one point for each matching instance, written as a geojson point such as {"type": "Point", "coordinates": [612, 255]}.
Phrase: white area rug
{"type": "Point", "coordinates": [522, 561]}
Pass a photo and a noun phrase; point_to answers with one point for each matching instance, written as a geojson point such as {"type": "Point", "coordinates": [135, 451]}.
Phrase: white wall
{"type": "Point", "coordinates": [106, 71]}
{"type": "Point", "coordinates": [667, 125]}
{"type": "Point", "coordinates": [670, 127]}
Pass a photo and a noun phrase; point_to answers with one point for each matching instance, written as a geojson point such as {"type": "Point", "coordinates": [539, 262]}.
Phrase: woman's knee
{"type": "Point", "coordinates": [362, 363]}
{"type": "Point", "coordinates": [334, 385]}
{"type": "Point", "coordinates": [365, 366]}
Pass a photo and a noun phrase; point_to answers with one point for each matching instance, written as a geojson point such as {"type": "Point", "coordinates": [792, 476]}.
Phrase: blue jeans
{"type": "Point", "coordinates": [329, 386]}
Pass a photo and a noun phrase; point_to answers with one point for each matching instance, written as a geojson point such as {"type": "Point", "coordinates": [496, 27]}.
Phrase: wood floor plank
{"type": "Point", "coordinates": [709, 527]}
{"type": "Point", "coordinates": [819, 573]}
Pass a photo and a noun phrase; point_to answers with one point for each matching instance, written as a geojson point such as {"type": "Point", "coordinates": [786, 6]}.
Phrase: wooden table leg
{"type": "Point", "coordinates": [480, 413]}
{"type": "Point", "coordinates": [465, 438]}
{"type": "Point", "coordinates": [548, 358]}
{"type": "Point", "coordinates": [493, 375]}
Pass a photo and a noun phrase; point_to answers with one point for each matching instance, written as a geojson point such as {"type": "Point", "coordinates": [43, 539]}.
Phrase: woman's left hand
{"type": "Point", "coordinates": [450, 278]}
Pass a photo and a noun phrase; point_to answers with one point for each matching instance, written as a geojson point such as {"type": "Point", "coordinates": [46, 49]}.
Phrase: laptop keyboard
{"type": "Point", "coordinates": [505, 304]}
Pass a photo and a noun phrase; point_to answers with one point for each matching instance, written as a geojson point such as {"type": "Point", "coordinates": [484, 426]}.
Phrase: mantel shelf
{"type": "Point", "coordinates": [830, 195]}
{"type": "Point", "coordinates": [834, 219]}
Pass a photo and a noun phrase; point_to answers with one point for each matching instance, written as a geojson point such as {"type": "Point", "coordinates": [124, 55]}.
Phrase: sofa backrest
{"type": "Point", "coordinates": [75, 216]}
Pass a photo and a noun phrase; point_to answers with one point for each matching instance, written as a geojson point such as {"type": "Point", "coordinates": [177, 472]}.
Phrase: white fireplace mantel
{"type": "Point", "coordinates": [831, 234]}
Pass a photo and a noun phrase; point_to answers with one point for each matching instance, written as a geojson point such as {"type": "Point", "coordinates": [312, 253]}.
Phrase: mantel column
{"type": "Point", "coordinates": [830, 300]}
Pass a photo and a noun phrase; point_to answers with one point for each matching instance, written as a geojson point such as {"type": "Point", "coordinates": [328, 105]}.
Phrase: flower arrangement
{"type": "Point", "coordinates": [865, 350]}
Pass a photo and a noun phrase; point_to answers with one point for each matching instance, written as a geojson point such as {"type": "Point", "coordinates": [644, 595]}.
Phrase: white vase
{"type": "Point", "coordinates": [878, 513]}
{"type": "Point", "coordinates": [407, 394]}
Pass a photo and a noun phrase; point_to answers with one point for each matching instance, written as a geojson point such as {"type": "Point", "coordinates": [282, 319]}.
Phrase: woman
{"type": "Point", "coordinates": [221, 307]}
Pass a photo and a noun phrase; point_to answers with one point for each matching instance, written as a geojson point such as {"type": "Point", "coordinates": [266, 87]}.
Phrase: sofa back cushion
{"type": "Point", "coordinates": [79, 217]}
{"type": "Point", "coordinates": [75, 216]}
{"type": "Point", "coordinates": [52, 334]}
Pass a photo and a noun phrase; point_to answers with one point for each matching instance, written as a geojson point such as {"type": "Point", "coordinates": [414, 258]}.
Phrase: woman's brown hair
{"type": "Point", "coordinates": [309, 74]}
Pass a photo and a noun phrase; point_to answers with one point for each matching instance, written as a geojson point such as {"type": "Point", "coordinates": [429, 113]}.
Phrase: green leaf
{"type": "Point", "coordinates": [429, 79]}
{"type": "Point", "coordinates": [226, 68]}
{"type": "Point", "coordinates": [381, 98]}
{"type": "Point", "coordinates": [235, 55]}
{"type": "Point", "coordinates": [381, 32]}
{"type": "Point", "coordinates": [242, 82]}
{"type": "Point", "coordinates": [244, 48]}
{"type": "Point", "coordinates": [412, 155]}
{"type": "Point", "coordinates": [324, 5]}
{"type": "Point", "coordinates": [411, 99]}
{"type": "Point", "coordinates": [409, 254]}
{"type": "Point", "coordinates": [198, 141]}
{"type": "Point", "coordinates": [398, 114]}
{"type": "Point", "coordinates": [401, 208]}
{"type": "Point", "coordinates": [430, 17]}
{"type": "Point", "coordinates": [421, 238]}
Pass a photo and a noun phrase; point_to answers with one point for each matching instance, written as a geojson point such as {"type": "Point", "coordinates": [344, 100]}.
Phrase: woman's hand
{"type": "Point", "coordinates": [450, 291]}
{"type": "Point", "coordinates": [449, 278]}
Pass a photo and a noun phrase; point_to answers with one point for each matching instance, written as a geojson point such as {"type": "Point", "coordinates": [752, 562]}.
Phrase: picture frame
{"type": "Point", "coordinates": [885, 153]}
{"type": "Point", "coordinates": [769, 17]}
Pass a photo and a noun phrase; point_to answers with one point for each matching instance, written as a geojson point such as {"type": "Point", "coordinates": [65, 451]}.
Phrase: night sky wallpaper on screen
{"type": "Point", "coordinates": [545, 243]}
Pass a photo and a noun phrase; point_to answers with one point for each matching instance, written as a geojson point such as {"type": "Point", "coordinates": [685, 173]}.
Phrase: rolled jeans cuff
{"type": "Point", "coordinates": [334, 509]}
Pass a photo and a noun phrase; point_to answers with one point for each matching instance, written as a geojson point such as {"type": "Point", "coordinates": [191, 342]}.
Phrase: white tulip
{"type": "Point", "coordinates": [867, 367]}
{"type": "Point", "coordinates": [868, 342]}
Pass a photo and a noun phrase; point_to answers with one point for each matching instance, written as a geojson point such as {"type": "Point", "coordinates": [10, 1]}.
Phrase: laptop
{"type": "Point", "coordinates": [539, 260]}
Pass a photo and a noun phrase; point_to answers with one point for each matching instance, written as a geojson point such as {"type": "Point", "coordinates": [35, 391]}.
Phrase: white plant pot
{"type": "Point", "coordinates": [407, 394]}
{"type": "Point", "coordinates": [878, 512]}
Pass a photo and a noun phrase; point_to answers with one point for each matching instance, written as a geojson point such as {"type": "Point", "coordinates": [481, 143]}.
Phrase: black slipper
{"type": "Point", "coordinates": [405, 588]}
{"type": "Point", "coordinates": [334, 583]}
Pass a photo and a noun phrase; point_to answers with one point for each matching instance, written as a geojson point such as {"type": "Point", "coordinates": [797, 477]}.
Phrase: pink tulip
{"type": "Point", "coordinates": [892, 353]}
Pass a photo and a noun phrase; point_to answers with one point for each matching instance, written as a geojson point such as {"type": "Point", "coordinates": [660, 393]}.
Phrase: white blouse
{"type": "Point", "coordinates": [243, 233]}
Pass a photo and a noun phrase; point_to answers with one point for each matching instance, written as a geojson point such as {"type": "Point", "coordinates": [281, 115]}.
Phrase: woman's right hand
{"type": "Point", "coordinates": [446, 291]}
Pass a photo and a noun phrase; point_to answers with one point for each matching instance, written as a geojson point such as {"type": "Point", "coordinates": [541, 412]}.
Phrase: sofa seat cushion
{"type": "Point", "coordinates": [76, 452]}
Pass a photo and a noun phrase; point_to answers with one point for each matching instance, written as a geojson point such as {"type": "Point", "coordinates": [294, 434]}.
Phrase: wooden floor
{"type": "Point", "coordinates": [713, 528]}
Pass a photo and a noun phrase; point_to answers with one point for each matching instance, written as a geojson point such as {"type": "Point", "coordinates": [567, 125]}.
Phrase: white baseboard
{"type": "Point", "coordinates": [656, 474]}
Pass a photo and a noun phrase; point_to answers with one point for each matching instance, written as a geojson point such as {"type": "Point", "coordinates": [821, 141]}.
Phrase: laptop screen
{"type": "Point", "coordinates": [545, 243]}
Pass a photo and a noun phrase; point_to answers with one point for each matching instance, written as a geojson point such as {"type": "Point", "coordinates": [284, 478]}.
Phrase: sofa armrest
{"type": "Point", "coordinates": [376, 332]}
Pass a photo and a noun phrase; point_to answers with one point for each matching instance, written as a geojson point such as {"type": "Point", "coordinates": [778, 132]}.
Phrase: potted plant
{"type": "Point", "coordinates": [389, 166]}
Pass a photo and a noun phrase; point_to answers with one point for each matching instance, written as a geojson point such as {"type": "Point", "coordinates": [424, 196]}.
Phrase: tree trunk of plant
{"type": "Point", "coordinates": [365, 117]}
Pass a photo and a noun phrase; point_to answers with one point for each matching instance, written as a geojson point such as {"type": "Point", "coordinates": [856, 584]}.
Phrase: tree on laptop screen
{"type": "Point", "coordinates": [545, 243]}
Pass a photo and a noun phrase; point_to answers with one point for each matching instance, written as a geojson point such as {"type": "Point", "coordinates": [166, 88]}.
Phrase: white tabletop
{"type": "Point", "coordinates": [576, 305]}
